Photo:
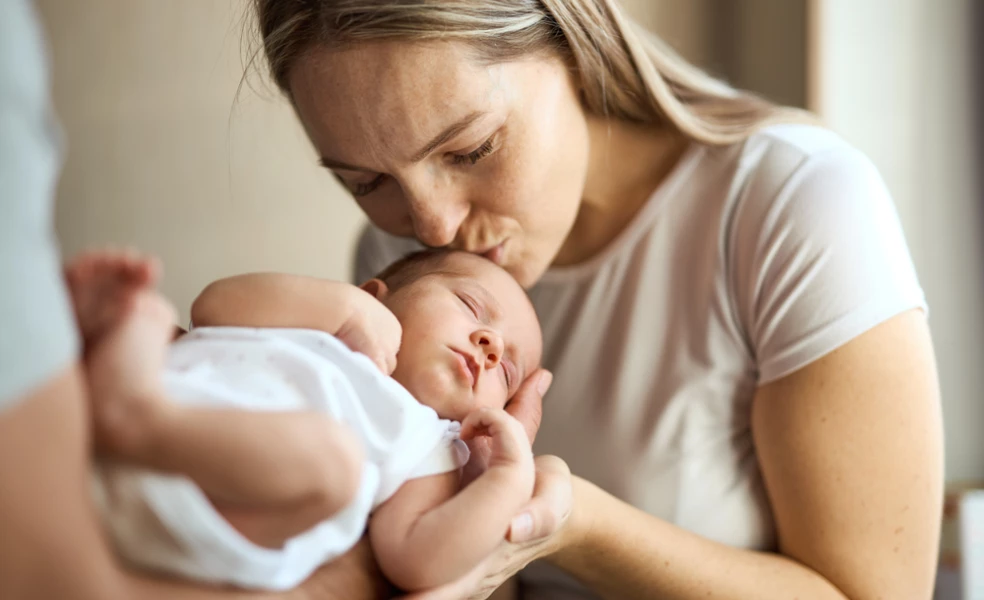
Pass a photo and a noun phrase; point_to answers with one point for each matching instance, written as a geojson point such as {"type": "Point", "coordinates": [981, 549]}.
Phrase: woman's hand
{"type": "Point", "coordinates": [541, 528]}
{"type": "Point", "coordinates": [352, 576]}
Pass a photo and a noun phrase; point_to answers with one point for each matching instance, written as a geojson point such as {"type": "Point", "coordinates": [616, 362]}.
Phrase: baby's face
{"type": "Point", "coordinates": [470, 336]}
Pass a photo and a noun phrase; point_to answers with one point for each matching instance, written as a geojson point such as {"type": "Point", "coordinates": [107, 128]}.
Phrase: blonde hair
{"type": "Point", "coordinates": [625, 72]}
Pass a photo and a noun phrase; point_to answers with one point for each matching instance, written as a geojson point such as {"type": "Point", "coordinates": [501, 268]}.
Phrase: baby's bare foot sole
{"type": "Point", "coordinates": [103, 283]}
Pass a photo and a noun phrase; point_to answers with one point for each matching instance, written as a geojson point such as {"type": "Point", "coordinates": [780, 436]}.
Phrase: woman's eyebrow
{"type": "Point", "coordinates": [449, 132]}
{"type": "Point", "coordinates": [329, 163]}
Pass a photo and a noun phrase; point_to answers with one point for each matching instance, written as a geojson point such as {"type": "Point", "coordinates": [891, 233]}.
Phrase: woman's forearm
{"type": "Point", "coordinates": [621, 552]}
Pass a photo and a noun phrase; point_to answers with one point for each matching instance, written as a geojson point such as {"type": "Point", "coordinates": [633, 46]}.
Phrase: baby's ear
{"type": "Point", "coordinates": [376, 287]}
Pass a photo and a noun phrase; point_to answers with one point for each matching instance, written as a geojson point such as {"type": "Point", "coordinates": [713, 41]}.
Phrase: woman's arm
{"type": "Point", "coordinates": [52, 544]}
{"type": "Point", "coordinates": [851, 452]}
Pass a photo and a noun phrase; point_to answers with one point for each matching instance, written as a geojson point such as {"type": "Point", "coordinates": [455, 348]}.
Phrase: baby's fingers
{"type": "Point", "coordinates": [484, 421]}
{"type": "Point", "coordinates": [387, 362]}
{"type": "Point", "coordinates": [509, 441]}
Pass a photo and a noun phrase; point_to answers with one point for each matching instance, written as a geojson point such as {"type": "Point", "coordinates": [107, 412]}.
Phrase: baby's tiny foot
{"type": "Point", "coordinates": [103, 283]}
{"type": "Point", "coordinates": [124, 370]}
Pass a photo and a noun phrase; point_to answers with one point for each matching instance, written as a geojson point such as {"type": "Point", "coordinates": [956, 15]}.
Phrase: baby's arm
{"type": "Point", "coordinates": [275, 300]}
{"type": "Point", "coordinates": [426, 535]}
{"type": "Point", "coordinates": [354, 316]}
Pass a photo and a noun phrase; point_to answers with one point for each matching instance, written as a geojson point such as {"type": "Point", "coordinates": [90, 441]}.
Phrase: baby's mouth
{"type": "Point", "coordinates": [467, 367]}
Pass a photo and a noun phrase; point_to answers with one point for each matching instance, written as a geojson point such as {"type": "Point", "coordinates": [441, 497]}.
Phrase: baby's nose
{"type": "Point", "coordinates": [490, 343]}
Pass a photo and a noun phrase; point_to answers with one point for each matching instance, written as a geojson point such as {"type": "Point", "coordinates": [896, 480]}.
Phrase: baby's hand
{"type": "Point", "coordinates": [371, 329]}
{"type": "Point", "coordinates": [510, 444]}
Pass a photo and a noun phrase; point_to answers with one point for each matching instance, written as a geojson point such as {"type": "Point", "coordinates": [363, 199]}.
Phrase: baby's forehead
{"type": "Point", "coordinates": [479, 272]}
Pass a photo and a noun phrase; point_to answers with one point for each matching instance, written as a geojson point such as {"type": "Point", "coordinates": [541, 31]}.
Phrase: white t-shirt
{"type": "Point", "coordinates": [166, 523]}
{"type": "Point", "coordinates": [748, 263]}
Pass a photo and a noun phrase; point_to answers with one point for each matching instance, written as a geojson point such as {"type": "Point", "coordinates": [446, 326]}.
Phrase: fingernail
{"type": "Point", "coordinates": [544, 384]}
{"type": "Point", "coordinates": [521, 527]}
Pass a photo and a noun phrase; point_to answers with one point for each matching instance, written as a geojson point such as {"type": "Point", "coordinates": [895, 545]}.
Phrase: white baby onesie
{"type": "Point", "coordinates": [166, 523]}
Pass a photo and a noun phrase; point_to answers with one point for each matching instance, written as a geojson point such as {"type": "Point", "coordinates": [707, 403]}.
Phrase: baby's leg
{"type": "Point", "coordinates": [272, 475]}
{"type": "Point", "coordinates": [267, 466]}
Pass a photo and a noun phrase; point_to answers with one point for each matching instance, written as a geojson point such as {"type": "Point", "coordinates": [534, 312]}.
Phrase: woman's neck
{"type": "Point", "coordinates": [626, 163]}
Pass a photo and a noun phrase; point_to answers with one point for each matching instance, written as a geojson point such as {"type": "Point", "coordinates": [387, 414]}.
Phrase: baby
{"type": "Point", "coordinates": [231, 465]}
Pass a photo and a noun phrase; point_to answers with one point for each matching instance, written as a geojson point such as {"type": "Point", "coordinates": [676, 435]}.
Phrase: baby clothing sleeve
{"type": "Point", "coordinates": [38, 336]}
{"type": "Point", "coordinates": [449, 455]}
{"type": "Point", "coordinates": [818, 255]}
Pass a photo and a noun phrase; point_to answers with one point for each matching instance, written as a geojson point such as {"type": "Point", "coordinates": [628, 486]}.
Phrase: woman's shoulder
{"type": "Point", "coordinates": [799, 139]}
{"type": "Point", "coordinates": [772, 155]}
{"type": "Point", "coordinates": [815, 247]}
{"type": "Point", "coordinates": [795, 163]}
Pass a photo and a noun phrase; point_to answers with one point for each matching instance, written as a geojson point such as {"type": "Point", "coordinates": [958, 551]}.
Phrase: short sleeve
{"type": "Point", "coordinates": [819, 256]}
{"type": "Point", "coordinates": [449, 455]}
{"type": "Point", "coordinates": [37, 328]}
{"type": "Point", "coordinates": [375, 250]}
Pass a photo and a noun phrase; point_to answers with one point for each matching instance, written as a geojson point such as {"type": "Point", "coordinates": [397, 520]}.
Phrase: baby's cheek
{"type": "Point", "coordinates": [494, 396]}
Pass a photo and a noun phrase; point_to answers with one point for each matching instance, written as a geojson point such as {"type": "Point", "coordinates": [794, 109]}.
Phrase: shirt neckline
{"type": "Point", "coordinates": [670, 185]}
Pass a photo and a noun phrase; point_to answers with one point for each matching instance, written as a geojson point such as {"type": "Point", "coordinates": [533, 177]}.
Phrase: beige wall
{"type": "Point", "coordinates": [895, 80]}
{"type": "Point", "coordinates": [161, 157]}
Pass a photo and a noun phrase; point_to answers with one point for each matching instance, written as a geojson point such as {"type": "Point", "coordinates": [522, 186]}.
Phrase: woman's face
{"type": "Point", "coordinates": [490, 159]}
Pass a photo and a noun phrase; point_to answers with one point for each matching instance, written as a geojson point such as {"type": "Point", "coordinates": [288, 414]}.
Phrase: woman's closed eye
{"type": "Point", "coordinates": [364, 189]}
{"type": "Point", "coordinates": [360, 188]}
{"type": "Point", "coordinates": [475, 155]}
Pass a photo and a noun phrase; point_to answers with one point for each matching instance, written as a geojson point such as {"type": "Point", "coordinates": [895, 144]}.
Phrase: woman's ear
{"type": "Point", "coordinates": [376, 287]}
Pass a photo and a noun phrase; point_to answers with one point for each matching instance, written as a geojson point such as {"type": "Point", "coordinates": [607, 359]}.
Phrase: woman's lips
{"type": "Point", "coordinates": [495, 253]}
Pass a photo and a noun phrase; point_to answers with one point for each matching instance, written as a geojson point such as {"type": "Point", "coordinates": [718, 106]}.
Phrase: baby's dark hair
{"type": "Point", "coordinates": [412, 266]}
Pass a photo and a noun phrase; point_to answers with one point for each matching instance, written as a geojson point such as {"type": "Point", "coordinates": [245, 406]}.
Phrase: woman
{"type": "Point", "coordinates": [744, 383]}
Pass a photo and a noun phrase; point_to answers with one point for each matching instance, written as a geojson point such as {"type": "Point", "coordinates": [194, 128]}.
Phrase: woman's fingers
{"type": "Point", "coordinates": [551, 503]}
{"type": "Point", "coordinates": [470, 587]}
{"type": "Point", "coordinates": [527, 405]}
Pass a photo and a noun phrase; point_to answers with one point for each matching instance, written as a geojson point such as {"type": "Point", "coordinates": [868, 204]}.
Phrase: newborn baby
{"type": "Point", "coordinates": [232, 466]}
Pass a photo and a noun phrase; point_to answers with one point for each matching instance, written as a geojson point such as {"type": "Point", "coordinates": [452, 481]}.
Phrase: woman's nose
{"type": "Point", "coordinates": [490, 344]}
{"type": "Point", "coordinates": [436, 214]}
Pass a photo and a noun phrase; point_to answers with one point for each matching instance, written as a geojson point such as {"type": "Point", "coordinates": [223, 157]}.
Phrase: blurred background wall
{"type": "Point", "coordinates": [163, 157]}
